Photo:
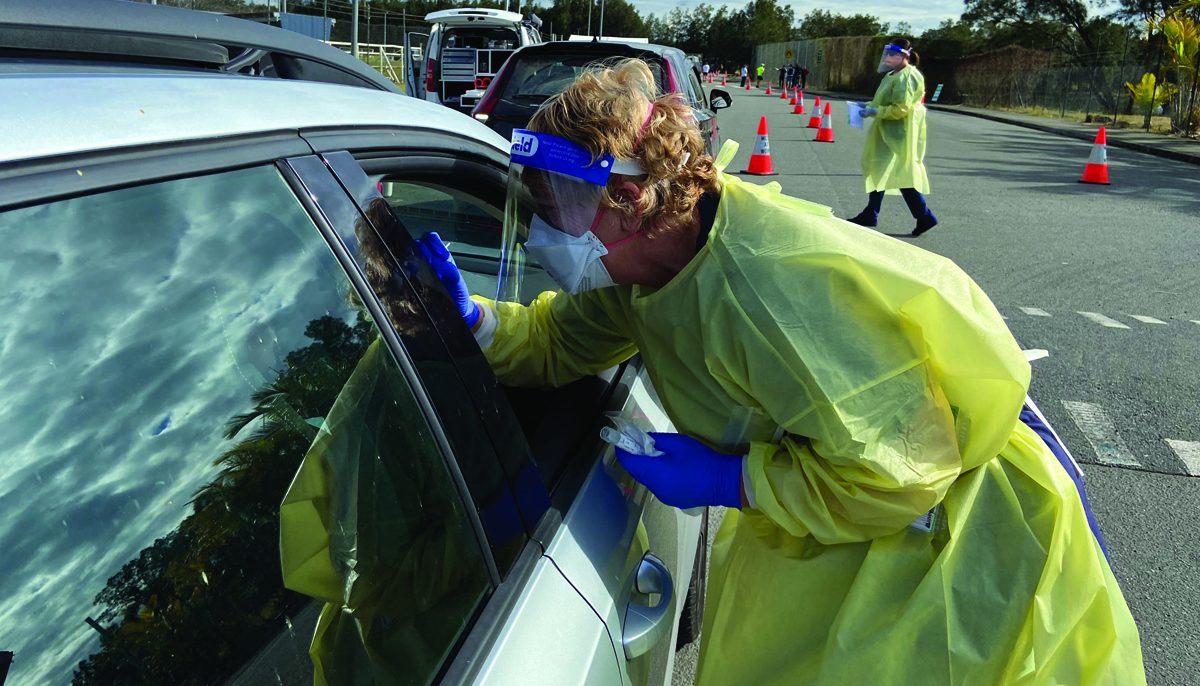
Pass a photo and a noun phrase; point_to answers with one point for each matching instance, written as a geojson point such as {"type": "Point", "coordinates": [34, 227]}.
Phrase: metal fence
{"type": "Point", "coordinates": [1028, 79]}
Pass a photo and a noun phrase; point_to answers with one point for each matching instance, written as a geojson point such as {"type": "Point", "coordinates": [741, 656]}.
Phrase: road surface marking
{"type": "Point", "coordinates": [1189, 453]}
{"type": "Point", "coordinates": [1099, 430]}
{"type": "Point", "coordinates": [1104, 321]}
{"type": "Point", "coordinates": [1035, 312]}
{"type": "Point", "coordinates": [1147, 320]}
{"type": "Point", "coordinates": [1196, 321]}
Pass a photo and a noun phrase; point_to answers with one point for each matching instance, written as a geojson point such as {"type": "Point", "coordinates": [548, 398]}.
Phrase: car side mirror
{"type": "Point", "coordinates": [719, 99]}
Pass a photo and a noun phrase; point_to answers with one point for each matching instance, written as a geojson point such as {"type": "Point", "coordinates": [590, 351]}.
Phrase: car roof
{"type": "Point", "coordinates": [604, 47]}
{"type": "Point", "coordinates": [473, 16]}
{"type": "Point", "coordinates": [157, 34]}
{"type": "Point", "coordinates": [60, 114]}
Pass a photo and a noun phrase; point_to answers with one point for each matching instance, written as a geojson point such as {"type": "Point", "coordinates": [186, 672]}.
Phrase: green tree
{"type": "Point", "coordinates": [768, 22]}
{"type": "Point", "coordinates": [825, 24]}
{"type": "Point", "coordinates": [950, 40]}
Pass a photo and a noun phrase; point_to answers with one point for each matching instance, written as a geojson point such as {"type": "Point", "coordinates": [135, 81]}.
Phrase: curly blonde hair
{"type": "Point", "coordinates": [603, 111]}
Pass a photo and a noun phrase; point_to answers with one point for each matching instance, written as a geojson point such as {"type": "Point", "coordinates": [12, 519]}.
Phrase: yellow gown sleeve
{"type": "Point", "coordinates": [559, 338]}
{"type": "Point", "coordinates": [855, 380]}
{"type": "Point", "coordinates": [903, 97]}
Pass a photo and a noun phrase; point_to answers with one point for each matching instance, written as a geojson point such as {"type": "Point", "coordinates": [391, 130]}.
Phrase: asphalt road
{"type": "Point", "coordinates": [1123, 394]}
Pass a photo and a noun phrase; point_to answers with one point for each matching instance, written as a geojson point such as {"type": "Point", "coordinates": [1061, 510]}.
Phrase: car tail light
{"type": "Point", "coordinates": [672, 83]}
{"type": "Point", "coordinates": [430, 82]}
{"type": "Point", "coordinates": [483, 109]}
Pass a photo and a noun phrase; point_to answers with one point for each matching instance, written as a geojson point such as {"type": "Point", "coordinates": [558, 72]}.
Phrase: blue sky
{"type": "Point", "coordinates": [921, 14]}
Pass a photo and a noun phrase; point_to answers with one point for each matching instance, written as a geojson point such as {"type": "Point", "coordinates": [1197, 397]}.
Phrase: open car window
{"type": "Point", "coordinates": [556, 423]}
{"type": "Point", "coordinates": [470, 226]}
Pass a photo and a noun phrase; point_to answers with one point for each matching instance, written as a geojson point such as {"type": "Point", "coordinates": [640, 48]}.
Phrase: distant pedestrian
{"type": "Point", "coordinates": [803, 77]}
{"type": "Point", "coordinates": [894, 156]}
{"type": "Point", "coordinates": [791, 76]}
{"type": "Point", "coordinates": [758, 73]}
{"type": "Point", "coordinates": [705, 69]}
{"type": "Point", "coordinates": [782, 76]}
{"type": "Point", "coordinates": [745, 75]}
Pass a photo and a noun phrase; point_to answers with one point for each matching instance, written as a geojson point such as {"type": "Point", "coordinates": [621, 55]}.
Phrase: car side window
{"type": "Point", "coordinates": [554, 422]}
{"type": "Point", "coordinates": [697, 97]}
{"type": "Point", "coordinates": [471, 227]}
{"type": "Point", "coordinates": [215, 471]}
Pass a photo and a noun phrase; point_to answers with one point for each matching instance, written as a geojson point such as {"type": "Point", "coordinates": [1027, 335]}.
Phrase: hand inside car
{"type": "Point", "coordinates": [439, 258]}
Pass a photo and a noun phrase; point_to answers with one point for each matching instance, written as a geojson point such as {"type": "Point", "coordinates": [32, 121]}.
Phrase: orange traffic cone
{"type": "Point", "coordinates": [760, 161]}
{"type": "Point", "coordinates": [814, 122]}
{"type": "Point", "coordinates": [783, 94]}
{"type": "Point", "coordinates": [1096, 170]}
{"type": "Point", "coordinates": [799, 102]}
{"type": "Point", "coordinates": [723, 83]}
{"type": "Point", "coordinates": [769, 89]}
{"type": "Point", "coordinates": [825, 133]}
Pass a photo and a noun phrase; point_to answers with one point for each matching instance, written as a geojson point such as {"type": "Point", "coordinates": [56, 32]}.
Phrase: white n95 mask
{"type": "Point", "coordinates": [573, 262]}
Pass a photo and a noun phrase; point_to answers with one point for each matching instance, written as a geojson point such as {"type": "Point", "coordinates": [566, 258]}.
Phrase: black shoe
{"type": "Point", "coordinates": [866, 219]}
{"type": "Point", "coordinates": [924, 224]}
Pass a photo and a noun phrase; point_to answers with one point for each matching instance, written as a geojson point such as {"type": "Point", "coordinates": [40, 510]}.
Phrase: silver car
{"type": "Point", "coordinates": [246, 436]}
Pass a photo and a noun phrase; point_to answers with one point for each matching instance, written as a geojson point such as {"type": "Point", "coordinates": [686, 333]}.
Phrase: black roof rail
{"type": "Point", "coordinates": [157, 34]}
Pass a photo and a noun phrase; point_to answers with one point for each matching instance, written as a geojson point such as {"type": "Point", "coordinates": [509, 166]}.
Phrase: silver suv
{"type": "Point", "coordinates": [247, 436]}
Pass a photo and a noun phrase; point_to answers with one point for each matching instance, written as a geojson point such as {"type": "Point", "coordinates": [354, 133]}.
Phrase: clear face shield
{"type": "Point", "coordinates": [892, 58]}
{"type": "Point", "coordinates": [555, 189]}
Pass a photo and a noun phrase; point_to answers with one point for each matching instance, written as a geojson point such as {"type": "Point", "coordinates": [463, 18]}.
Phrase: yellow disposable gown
{"type": "Point", "coordinates": [894, 156]}
{"type": "Point", "coordinates": [896, 387]}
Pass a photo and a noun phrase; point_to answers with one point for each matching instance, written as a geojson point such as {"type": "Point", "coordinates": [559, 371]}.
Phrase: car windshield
{"type": "Point", "coordinates": [536, 77]}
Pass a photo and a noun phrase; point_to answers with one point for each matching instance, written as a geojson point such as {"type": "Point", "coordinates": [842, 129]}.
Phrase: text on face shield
{"type": "Point", "coordinates": [523, 144]}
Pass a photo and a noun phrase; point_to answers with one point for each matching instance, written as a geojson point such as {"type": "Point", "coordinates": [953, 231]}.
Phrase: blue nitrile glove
{"type": "Point", "coordinates": [439, 258]}
{"type": "Point", "coordinates": [688, 473]}
{"type": "Point", "coordinates": [869, 112]}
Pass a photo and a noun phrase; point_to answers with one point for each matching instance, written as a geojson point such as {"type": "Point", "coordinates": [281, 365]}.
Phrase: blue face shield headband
{"type": "Point", "coordinates": [891, 50]}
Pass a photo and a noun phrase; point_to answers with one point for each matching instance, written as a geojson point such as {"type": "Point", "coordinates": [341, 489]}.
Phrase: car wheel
{"type": "Point", "coordinates": [693, 605]}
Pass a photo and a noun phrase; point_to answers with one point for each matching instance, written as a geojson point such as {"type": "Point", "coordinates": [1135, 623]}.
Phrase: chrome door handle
{"type": "Point", "coordinates": [646, 625]}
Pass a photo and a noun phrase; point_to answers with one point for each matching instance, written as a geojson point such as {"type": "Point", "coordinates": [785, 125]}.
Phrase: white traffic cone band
{"type": "Point", "coordinates": [761, 146]}
{"type": "Point", "coordinates": [1099, 154]}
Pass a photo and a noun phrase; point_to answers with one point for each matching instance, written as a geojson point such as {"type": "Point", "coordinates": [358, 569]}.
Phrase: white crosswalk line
{"type": "Point", "coordinates": [1147, 320]}
{"type": "Point", "coordinates": [1104, 321]}
{"type": "Point", "coordinates": [1035, 312]}
{"type": "Point", "coordinates": [1189, 454]}
{"type": "Point", "coordinates": [1099, 430]}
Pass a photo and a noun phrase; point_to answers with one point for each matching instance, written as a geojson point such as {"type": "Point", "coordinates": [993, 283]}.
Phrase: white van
{"type": "Point", "coordinates": [463, 50]}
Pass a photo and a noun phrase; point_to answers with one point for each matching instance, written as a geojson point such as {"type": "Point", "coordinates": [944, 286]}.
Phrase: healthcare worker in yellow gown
{"type": "Point", "coordinates": [893, 158]}
{"type": "Point", "coordinates": [854, 400]}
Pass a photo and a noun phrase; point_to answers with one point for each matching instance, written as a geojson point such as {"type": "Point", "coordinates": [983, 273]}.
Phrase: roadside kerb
{"type": "Point", "coordinates": [1114, 139]}
{"type": "Point", "coordinates": [1114, 135]}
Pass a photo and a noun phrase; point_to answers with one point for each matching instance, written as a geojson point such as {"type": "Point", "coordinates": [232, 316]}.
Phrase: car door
{"type": "Point", "coordinates": [216, 443]}
{"type": "Point", "coordinates": [603, 530]}
{"type": "Point", "coordinates": [416, 56]}
{"type": "Point", "coordinates": [520, 630]}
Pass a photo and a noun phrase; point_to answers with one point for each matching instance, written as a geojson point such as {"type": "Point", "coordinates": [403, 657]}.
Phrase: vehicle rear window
{"type": "Point", "coordinates": [537, 77]}
{"type": "Point", "coordinates": [482, 38]}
